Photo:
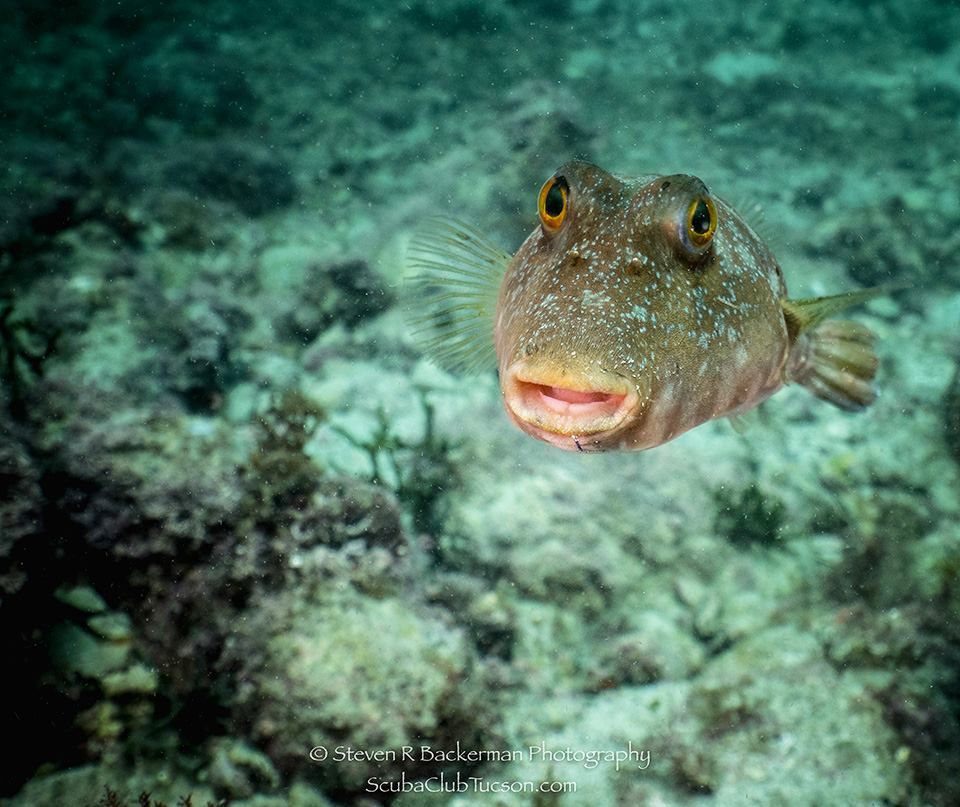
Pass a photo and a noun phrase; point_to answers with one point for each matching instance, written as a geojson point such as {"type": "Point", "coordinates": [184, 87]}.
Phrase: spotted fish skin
{"type": "Point", "coordinates": [610, 302]}
{"type": "Point", "coordinates": [638, 309]}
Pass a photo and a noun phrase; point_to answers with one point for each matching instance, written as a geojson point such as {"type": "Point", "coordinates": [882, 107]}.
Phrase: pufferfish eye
{"type": "Point", "coordinates": [698, 225]}
{"type": "Point", "coordinates": [552, 204]}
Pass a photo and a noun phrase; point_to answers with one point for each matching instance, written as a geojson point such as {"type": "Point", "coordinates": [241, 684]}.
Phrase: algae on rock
{"type": "Point", "coordinates": [357, 672]}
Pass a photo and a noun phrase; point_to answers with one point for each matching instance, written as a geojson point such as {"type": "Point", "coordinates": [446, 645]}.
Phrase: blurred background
{"type": "Point", "coordinates": [241, 517]}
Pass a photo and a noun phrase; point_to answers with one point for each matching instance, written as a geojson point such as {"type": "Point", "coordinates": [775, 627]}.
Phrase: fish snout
{"type": "Point", "coordinates": [579, 411]}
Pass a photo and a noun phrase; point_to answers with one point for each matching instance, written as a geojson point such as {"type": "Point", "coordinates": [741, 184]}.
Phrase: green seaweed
{"type": "Point", "coordinates": [951, 416]}
{"type": "Point", "coordinates": [749, 516]}
{"type": "Point", "coordinates": [112, 798]}
{"type": "Point", "coordinates": [281, 472]}
{"type": "Point", "coordinates": [420, 472]}
{"type": "Point", "coordinates": [24, 351]}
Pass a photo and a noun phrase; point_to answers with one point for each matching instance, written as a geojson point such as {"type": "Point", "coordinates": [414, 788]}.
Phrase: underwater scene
{"type": "Point", "coordinates": [435, 402]}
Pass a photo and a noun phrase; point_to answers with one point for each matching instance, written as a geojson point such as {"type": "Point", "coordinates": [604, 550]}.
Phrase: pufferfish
{"type": "Point", "coordinates": [638, 309]}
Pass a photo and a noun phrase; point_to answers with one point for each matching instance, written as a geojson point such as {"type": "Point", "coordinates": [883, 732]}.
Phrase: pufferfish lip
{"type": "Point", "coordinates": [572, 413]}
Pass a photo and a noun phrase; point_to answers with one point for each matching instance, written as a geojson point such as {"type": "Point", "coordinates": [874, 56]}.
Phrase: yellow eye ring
{"type": "Point", "coordinates": [552, 204]}
{"type": "Point", "coordinates": [700, 222]}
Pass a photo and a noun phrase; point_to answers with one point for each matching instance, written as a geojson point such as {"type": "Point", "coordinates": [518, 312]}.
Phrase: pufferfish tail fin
{"type": "Point", "coordinates": [450, 291]}
{"type": "Point", "coordinates": [834, 359]}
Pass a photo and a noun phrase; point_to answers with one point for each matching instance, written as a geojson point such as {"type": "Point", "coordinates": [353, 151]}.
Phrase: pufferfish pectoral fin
{"type": "Point", "coordinates": [834, 359]}
{"type": "Point", "coordinates": [451, 285]}
{"type": "Point", "coordinates": [743, 422]}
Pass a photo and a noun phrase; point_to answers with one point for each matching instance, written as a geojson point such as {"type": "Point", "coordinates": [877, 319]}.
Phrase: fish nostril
{"type": "Point", "coordinates": [634, 266]}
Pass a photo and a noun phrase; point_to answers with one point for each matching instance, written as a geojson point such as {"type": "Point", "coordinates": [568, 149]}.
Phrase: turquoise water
{"type": "Point", "coordinates": [258, 548]}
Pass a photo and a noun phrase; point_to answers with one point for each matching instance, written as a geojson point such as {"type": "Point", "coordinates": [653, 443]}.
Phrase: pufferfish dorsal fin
{"type": "Point", "coordinates": [754, 215]}
{"type": "Point", "coordinates": [451, 284]}
{"type": "Point", "coordinates": [802, 315]}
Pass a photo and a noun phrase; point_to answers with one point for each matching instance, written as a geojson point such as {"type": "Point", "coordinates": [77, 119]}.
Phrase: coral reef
{"type": "Point", "coordinates": [256, 180]}
{"type": "Point", "coordinates": [903, 247]}
{"type": "Point", "coordinates": [951, 412]}
{"type": "Point", "coordinates": [140, 483]}
{"type": "Point", "coordinates": [241, 518]}
{"type": "Point", "coordinates": [346, 292]}
{"type": "Point", "coordinates": [197, 334]}
{"type": "Point", "coordinates": [21, 508]}
{"type": "Point", "coordinates": [348, 671]}
{"type": "Point", "coordinates": [749, 516]}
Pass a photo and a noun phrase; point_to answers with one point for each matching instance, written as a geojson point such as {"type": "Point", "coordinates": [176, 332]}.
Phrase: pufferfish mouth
{"type": "Point", "coordinates": [572, 413]}
{"type": "Point", "coordinates": [566, 401]}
